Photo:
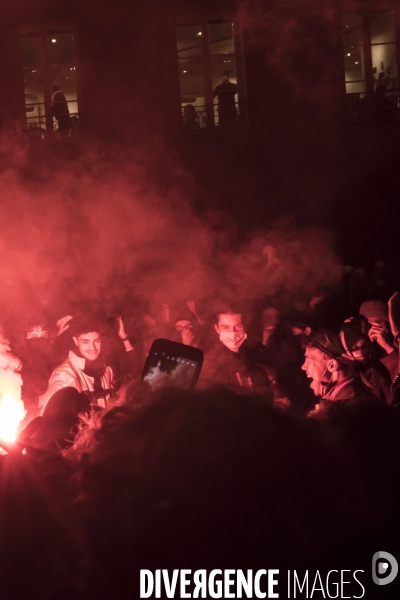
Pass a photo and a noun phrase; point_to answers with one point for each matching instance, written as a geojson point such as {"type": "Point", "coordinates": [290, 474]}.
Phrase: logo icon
{"type": "Point", "coordinates": [384, 564]}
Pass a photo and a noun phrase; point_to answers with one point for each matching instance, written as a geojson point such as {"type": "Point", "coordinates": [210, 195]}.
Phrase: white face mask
{"type": "Point", "coordinates": [232, 339]}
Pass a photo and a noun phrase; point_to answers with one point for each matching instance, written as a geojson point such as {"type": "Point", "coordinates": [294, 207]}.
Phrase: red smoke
{"type": "Point", "coordinates": [83, 222]}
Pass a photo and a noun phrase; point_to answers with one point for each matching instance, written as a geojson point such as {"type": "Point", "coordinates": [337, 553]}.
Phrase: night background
{"type": "Point", "coordinates": [136, 197]}
{"type": "Point", "coordinates": [209, 150]}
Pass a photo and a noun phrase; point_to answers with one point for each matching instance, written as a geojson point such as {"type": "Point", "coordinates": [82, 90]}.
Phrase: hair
{"type": "Point", "coordinates": [209, 480]}
{"type": "Point", "coordinates": [313, 347]}
{"type": "Point", "coordinates": [225, 308]}
{"type": "Point", "coordinates": [81, 325]}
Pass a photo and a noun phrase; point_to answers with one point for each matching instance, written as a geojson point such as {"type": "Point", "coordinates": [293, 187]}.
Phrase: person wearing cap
{"type": "Point", "coordinates": [376, 312]}
{"type": "Point", "coordinates": [332, 370]}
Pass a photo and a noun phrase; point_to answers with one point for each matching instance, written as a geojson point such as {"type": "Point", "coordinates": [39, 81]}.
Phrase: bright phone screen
{"type": "Point", "coordinates": [169, 369]}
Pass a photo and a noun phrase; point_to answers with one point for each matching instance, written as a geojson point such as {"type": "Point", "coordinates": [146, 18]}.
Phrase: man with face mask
{"type": "Point", "coordinates": [231, 361]}
{"type": "Point", "coordinates": [332, 370]}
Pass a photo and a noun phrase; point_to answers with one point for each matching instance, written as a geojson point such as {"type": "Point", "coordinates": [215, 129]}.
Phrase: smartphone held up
{"type": "Point", "coordinates": [171, 364]}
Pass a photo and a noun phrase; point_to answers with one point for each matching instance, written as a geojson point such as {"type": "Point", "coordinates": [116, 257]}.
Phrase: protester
{"type": "Point", "coordinates": [232, 361]}
{"type": "Point", "coordinates": [85, 368]}
{"type": "Point", "coordinates": [219, 480]}
{"type": "Point", "coordinates": [376, 312]}
{"type": "Point", "coordinates": [215, 478]}
{"type": "Point", "coordinates": [357, 344]}
{"type": "Point", "coordinates": [332, 371]}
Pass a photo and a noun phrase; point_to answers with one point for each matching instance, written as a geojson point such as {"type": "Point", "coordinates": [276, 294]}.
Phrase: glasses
{"type": "Point", "coordinates": [181, 328]}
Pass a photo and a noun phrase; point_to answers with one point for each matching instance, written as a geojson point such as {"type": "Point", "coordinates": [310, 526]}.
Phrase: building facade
{"type": "Point", "coordinates": [292, 108]}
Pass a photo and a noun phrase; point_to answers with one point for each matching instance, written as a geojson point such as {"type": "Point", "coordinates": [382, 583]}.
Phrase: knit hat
{"type": "Point", "coordinates": [374, 310]}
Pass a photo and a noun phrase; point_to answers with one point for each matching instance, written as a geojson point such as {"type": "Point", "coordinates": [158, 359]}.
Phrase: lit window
{"type": "Point", "coordinates": [210, 75]}
{"type": "Point", "coordinates": [370, 64]}
{"type": "Point", "coordinates": [49, 73]}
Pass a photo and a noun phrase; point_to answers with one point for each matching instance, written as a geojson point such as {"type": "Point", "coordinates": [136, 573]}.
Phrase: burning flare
{"type": "Point", "coordinates": [12, 409]}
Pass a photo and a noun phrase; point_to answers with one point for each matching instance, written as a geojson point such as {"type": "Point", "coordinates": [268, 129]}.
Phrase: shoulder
{"type": "Point", "coordinates": [357, 390]}
{"type": "Point", "coordinates": [63, 371]}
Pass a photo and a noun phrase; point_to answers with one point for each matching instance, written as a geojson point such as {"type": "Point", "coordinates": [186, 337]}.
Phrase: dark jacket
{"type": "Point", "coordinates": [61, 112]}
{"type": "Point", "coordinates": [349, 388]}
{"type": "Point", "coordinates": [224, 367]}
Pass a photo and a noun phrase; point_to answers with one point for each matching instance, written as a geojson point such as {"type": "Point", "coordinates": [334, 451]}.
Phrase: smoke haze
{"type": "Point", "coordinates": [82, 222]}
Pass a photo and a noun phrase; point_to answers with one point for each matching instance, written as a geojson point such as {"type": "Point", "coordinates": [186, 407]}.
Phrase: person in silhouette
{"type": "Point", "coordinates": [60, 111]}
{"type": "Point", "coordinates": [225, 92]}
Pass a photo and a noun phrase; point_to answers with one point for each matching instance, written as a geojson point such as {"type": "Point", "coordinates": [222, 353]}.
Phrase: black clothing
{"type": "Point", "coordinates": [225, 92]}
{"type": "Point", "coordinates": [37, 366]}
{"type": "Point", "coordinates": [349, 388]}
{"type": "Point", "coordinates": [224, 367]}
{"type": "Point", "coordinates": [61, 113]}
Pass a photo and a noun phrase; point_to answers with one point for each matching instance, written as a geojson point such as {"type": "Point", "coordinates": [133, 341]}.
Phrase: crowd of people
{"type": "Point", "coordinates": [269, 352]}
{"type": "Point", "coordinates": [288, 446]}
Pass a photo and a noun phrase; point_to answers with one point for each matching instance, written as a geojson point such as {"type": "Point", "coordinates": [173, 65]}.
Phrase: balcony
{"type": "Point", "coordinates": [377, 107]}
{"type": "Point", "coordinates": [206, 116]}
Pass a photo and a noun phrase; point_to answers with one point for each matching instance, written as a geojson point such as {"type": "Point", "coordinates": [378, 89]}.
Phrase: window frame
{"type": "Point", "coordinates": [367, 45]}
{"type": "Point", "coordinates": [203, 21]}
{"type": "Point", "coordinates": [42, 31]}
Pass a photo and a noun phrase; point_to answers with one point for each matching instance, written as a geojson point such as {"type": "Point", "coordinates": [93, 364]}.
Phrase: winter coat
{"type": "Point", "coordinates": [70, 374]}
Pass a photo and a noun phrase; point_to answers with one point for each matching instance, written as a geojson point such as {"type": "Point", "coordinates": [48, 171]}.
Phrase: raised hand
{"type": "Point", "coordinates": [63, 324]}
{"type": "Point", "coordinates": [378, 334]}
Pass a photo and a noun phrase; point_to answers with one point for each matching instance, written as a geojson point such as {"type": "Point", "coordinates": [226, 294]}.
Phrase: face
{"type": "Point", "coordinates": [360, 350]}
{"type": "Point", "coordinates": [267, 333]}
{"type": "Point", "coordinates": [183, 325]}
{"type": "Point", "coordinates": [315, 365]}
{"type": "Point", "coordinates": [225, 78]}
{"type": "Point", "coordinates": [229, 324]}
{"type": "Point", "coordinates": [231, 330]}
{"type": "Point", "coordinates": [89, 344]}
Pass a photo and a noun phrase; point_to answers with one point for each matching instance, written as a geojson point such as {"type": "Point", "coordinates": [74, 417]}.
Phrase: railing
{"type": "Point", "coordinates": [38, 128]}
{"type": "Point", "coordinates": [38, 124]}
{"type": "Point", "coordinates": [207, 116]}
{"type": "Point", "coordinates": [374, 107]}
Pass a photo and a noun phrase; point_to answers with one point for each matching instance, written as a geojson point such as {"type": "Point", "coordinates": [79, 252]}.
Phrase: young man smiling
{"type": "Point", "coordinates": [85, 368]}
{"type": "Point", "coordinates": [232, 361]}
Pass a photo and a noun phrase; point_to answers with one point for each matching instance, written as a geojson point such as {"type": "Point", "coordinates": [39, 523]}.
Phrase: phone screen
{"type": "Point", "coordinates": [170, 364]}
